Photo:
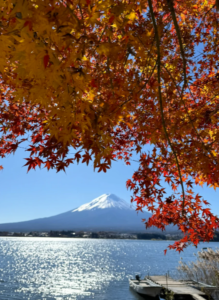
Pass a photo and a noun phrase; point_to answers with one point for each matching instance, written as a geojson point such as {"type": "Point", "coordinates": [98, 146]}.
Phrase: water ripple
{"type": "Point", "coordinates": [47, 268]}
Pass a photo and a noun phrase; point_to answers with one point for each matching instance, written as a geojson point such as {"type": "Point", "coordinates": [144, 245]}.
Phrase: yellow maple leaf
{"type": "Point", "coordinates": [132, 16]}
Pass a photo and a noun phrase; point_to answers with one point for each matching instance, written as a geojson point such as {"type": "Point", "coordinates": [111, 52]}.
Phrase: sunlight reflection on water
{"type": "Point", "coordinates": [53, 268]}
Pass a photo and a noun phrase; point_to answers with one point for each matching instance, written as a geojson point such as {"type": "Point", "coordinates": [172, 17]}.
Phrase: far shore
{"type": "Point", "coordinates": [93, 235]}
{"type": "Point", "coordinates": [99, 235]}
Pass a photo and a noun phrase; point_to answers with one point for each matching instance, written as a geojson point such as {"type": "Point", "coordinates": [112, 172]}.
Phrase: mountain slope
{"type": "Point", "coordinates": [106, 213]}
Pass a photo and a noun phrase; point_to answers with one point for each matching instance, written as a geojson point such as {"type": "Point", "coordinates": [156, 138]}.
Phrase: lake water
{"type": "Point", "coordinates": [47, 268]}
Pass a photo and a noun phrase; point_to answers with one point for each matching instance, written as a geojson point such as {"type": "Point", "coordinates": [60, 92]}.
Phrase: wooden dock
{"type": "Point", "coordinates": [178, 288]}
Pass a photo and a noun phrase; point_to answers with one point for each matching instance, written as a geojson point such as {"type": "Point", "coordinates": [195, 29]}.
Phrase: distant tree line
{"type": "Point", "coordinates": [150, 236]}
{"type": "Point", "coordinates": [100, 235]}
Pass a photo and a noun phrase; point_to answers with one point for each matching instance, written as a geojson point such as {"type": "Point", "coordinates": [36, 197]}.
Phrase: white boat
{"type": "Point", "coordinates": [145, 287]}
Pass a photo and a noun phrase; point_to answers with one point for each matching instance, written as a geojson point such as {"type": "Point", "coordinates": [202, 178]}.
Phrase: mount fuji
{"type": "Point", "coordinates": [105, 213]}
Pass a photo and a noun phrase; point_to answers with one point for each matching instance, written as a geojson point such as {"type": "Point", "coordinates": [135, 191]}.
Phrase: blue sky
{"type": "Point", "coordinates": [43, 193]}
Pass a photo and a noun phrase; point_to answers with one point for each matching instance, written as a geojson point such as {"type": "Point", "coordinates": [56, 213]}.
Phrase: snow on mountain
{"type": "Point", "coordinates": [103, 202]}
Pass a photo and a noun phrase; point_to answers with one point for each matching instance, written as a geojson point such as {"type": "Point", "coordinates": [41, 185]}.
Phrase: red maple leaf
{"type": "Point", "coordinates": [86, 158]}
{"type": "Point", "coordinates": [46, 61]}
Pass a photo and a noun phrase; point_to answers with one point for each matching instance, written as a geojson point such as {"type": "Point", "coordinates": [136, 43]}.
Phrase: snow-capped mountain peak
{"type": "Point", "coordinates": [105, 201]}
{"type": "Point", "coordinates": [105, 213]}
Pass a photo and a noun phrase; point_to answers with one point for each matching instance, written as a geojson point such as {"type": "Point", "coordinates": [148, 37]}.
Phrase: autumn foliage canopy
{"type": "Point", "coordinates": [104, 78]}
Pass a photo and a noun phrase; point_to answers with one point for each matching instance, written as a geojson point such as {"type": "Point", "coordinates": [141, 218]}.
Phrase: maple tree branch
{"type": "Point", "coordinates": [170, 4]}
{"type": "Point", "coordinates": [149, 52]}
{"type": "Point", "coordinates": [207, 12]}
{"type": "Point", "coordinates": [205, 147]}
{"type": "Point", "coordinates": [73, 15]}
{"type": "Point", "coordinates": [82, 17]}
{"type": "Point", "coordinates": [160, 98]}
{"type": "Point", "coordinates": [111, 81]}
{"type": "Point", "coordinates": [152, 72]}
